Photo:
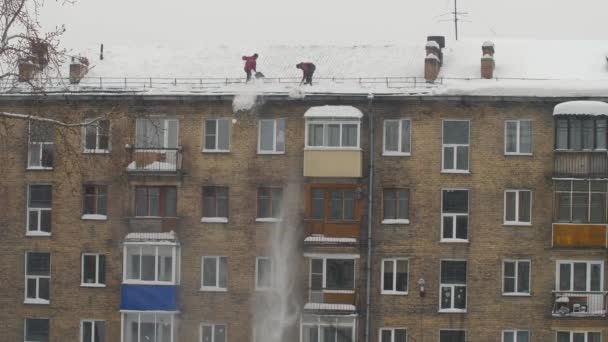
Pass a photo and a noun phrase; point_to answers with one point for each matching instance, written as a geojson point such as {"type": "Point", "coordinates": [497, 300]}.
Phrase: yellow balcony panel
{"type": "Point", "coordinates": [332, 163]}
{"type": "Point", "coordinates": [579, 235]}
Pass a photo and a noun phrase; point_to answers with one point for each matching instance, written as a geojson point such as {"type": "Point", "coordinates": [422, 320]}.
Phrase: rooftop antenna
{"type": "Point", "coordinates": [457, 17]}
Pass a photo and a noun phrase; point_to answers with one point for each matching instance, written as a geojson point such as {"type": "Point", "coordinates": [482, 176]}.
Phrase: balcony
{"type": "Point", "coordinates": [580, 235]}
{"type": "Point", "coordinates": [327, 232]}
{"type": "Point", "coordinates": [579, 304]}
{"type": "Point", "coordinates": [146, 224]}
{"type": "Point", "coordinates": [148, 297]}
{"type": "Point", "coordinates": [580, 164]}
{"type": "Point", "coordinates": [332, 163]}
{"type": "Point", "coordinates": [154, 161]}
{"type": "Point", "coordinates": [340, 301]}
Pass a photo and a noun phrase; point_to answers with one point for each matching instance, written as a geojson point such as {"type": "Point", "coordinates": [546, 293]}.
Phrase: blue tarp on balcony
{"type": "Point", "coordinates": [148, 297]}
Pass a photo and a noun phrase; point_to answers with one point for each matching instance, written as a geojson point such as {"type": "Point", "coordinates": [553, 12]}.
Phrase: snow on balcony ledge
{"type": "Point", "coordinates": [151, 237]}
{"type": "Point", "coordinates": [581, 108]}
{"type": "Point", "coordinates": [329, 307]}
{"type": "Point", "coordinates": [329, 240]}
{"type": "Point", "coordinates": [333, 112]}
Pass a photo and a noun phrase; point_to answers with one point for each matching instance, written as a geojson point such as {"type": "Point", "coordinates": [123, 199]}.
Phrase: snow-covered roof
{"type": "Point", "coordinates": [581, 108]}
{"type": "Point", "coordinates": [329, 307]}
{"type": "Point", "coordinates": [333, 112]}
{"type": "Point", "coordinates": [152, 237]}
{"type": "Point", "coordinates": [329, 240]}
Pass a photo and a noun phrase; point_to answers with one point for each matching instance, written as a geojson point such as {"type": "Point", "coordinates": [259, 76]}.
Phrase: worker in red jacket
{"type": "Point", "coordinates": [250, 64]}
{"type": "Point", "coordinates": [307, 70]}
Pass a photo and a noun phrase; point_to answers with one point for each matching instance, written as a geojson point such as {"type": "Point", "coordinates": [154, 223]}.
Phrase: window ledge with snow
{"type": "Point", "coordinates": [394, 293]}
{"type": "Point", "coordinates": [271, 152]}
{"type": "Point", "coordinates": [38, 168]}
{"type": "Point", "coordinates": [214, 289]}
{"type": "Point", "coordinates": [215, 151]}
{"type": "Point", "coordinates": [329, 240]}
{"type": "Point", "coordinates": [396, 154]}
{"type": "Point", "coordinates": [395, 221]}
{"type": "Point", "coordinates": [463, 172]}
{"type": "Point", "coordinates": [517, 154]}
{"type": "Point", "coordinates": [517, 224]}
{"type": "Point", "coordinates": [515, 294]}
{"type": "Point", "coordinates": [37, 234]}
{"type": "Point", "coordinates": [452, 310]}
{"type": "Point", "coordinates": [330, 148]}
{"type": "Point", "coordinates": [94, 217]}
{"type": "Point", "coordinates": [214, 220]}
{"type": "Point", "coordinates": [92, 285]}
{"type": "Point", "coordinates": [329, 307]}
{"type": "Point", "coordinates": [96, 151]}
{"type": "Point", "coordinates": [454, 240]}
{"type": "Point", "coordinates": [36, 301]}
{"type": "Point", "coordinates": [268, 219]}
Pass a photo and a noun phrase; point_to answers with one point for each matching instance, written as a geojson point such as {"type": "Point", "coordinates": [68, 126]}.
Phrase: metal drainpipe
{"type": "Point", "coordinates": [368, 265]}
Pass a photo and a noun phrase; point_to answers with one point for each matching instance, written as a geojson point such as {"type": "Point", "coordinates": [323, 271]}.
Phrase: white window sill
{"type": "Point", "coordinates": [452, 310]}
{"type": "Point", "coordinates": [94, 217]}
{"type": "Point", "coordinates": [38, 168]}
{"type": "Point", "coordinates": [216, 151]}
{"type": "Point", "coordinates": [395, 221]}
{"type": "Point", "coordinates": [514, 294]}
{"type": "Point", "coordinates": [340, 291]}
{"type": "Point", "coordinates": [396, 154]}
{"type": "Point", "coordinates": [454, 240]}
{"type": "Point", "coordinates": [147, 282]}
{"type": "Point", "coordinates": [92, 285]}
{"type": "Point", "coordinates": [35, 233]}
{"type": "Point", "coordinates": [214, 220]}
{"type": "Point", "coordinates": [517, 224]}
{"type": "Point", "coordinates": [271, 152]}
{"type": "Point", "coordinates": [214, 289]}
{"type": "Point", "coordinates": [331, 148]}
{"type": "Point", "coordinates": [517, 154]}
{"type": "Point", "coordinates": [462, 172]}
{"type": "Point", "coordinates": [96, 151]}
{"type": "Point", "coordinates": [268, 219]}
{"type": "Point", "coordinates": [393, 293]}
{"type": "Point", "coordinates": [36, 301]}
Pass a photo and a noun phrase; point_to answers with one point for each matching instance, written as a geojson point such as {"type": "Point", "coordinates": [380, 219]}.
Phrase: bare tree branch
{"type": "Point", "coordinates": [53, 121]}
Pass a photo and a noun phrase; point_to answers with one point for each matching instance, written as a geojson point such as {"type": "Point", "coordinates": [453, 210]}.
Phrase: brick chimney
{"type": "Point", "coordinates": [487, 60]}
{"type": "Point", "coordinates": [78, 68]}
{"type": "Point", "coordinates": [431, 67]}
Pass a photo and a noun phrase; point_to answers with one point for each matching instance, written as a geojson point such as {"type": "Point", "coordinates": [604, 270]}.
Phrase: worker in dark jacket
{"type": "Point", "coordinates": [307, 70]}
{"type": "Point", "coordinates": [250, 64]}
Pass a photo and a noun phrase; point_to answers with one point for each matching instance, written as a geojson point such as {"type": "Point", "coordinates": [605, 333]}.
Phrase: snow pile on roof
{"type": "Point", "coordinates": [581, 108]}
{"type": "Point", "coordinates": [329, 240]}
{"type": "Point", "coordinates": [333, 112]}
{"type": "Point", "coordinates": [432, 43]}
{"type": "Point", "coordinates": [151, 237]}
{"type": "Point", "coordinates": [329, 307]}
{"type": "Point", "coordinates": [487, 43]}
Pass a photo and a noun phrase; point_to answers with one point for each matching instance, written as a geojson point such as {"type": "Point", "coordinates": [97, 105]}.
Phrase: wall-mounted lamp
{"type": "Point", "coordinates": [421, 283]}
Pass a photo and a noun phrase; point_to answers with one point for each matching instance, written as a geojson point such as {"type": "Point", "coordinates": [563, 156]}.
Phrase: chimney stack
{"type": "Point", "coordinates": [487, 60]}
{"type": "Point", "coordinates": [434, 57]}
{"type": "Point", "coordinates": [78, 68]}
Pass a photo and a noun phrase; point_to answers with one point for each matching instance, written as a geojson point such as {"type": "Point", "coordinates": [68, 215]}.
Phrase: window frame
{"type": "Point", "coordinates": [453, 289]}
{"type": "Point", "coordinates": [395, 220]}
{"type": "Point", "coordinates": [390, 153]}
{"type": "Point", "coordinates": [306, 320]}
{"type": "Point", "coordinates": [517, 293]}
{"type": "Point", "coordinates": [463, 330]}
{"type": "Point", "coordinates": [93, 328]}
{"type": "Point", "coordinates": [40, 146]}
{"type": "Point", "coordinates": [164, 144]}
{"type": "Point", "coordinates": [37, 299]}
{"type": "Point", "coordinates": [37, 318]}
{"type": "Point", "coordinates": [96, 216]}
{"type": "Point", "coordinates": [98, 258]}
{"type": "Point", "coordinates": [175, 263]}
{"type": "Point", "coordinates": [324, 288]}
{"type": "Point", "coordinates": [394, 286]}
{"type": "Point", "coordinates": [259, 287]}
{"type": "Point", "coordinates": [271, 218]}
{"type": "Point", "coordinates": [518, 138]}
{"type": "Point", "coordinates": [454, 216]}
{"type": "Point", "coordinates": [571, 193]}
{"type": "Point", "coordinates": [392, 330]}
{"type": "Point", "coordinates": [217, 287]}
{"type": "Point", "coordinates": [38, 231]}
{"type": "Point", "coordinates": [275, 133]}
{"type": "Point", "coordinates": [326, 123]}
{"type": "Point", "coordinates": [455, 147]}
{"type": "Point", "coordinates": [568, 119]}
{"type": "Point", "coordinates": [216, 218]}
{"type": "Point", "coordinates": [162, 203]}
{"type": "Point", "coordinates": [572, 332]}
{"type": "Point", "coordinates": [96, 150]}
{"type": "Point", "coordinates": [571, 262]}
{"type": "Point", "coordinates": [217, 135]}
{"type": "Point", "coordinates": [213, 325]}
{"type": "Point", "coordinates": [514, 331]}
{"type": "Point", "coordinates": [327, 190]}
{"type": "Point", "coordinates": [517, 222]}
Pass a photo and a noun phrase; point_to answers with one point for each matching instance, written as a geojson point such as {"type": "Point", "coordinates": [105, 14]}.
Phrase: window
{"type": "Point", "coordinates": [453, 286]}
{"type": "Point", "coordinates": [455, 146]}
{"type": "Point", "coordinates": [269, 203]}
{"type": "Point", "coordinates": [39, 209]}
{"type": "Point", "coordinates": [94, 203]}
{"type": "Point", "coordinates": [583, 276]}
{"type": "Point", "coordinates": [271, 136]}
{"type": "Point", "coordinates": [155, 201]}
{"type": "Point", "coordinates": [148, 327]}
{"type": "Point", "coordinates": [93, 270]}
{"type": "Point", "coordinates": [393, 335]}
{"type": "Point", "coordinates": [394, 276]}
{"type": "Point", "coordinates": [40, 145]}
{"type": "Point", "coordinates": [580, 201]}
{"type": "Point", "coordinates": [397, 138]}
{"type": "Point", "coordinates": [330, 275]}
{"type": "Point", "coordinates": [518, 207]}
{"type": "Point", "coordinates": [37, 278]}
{"type": "Point", "coordinates": [332, 134]}
{"type": "Point", "coordinates": [578, 336]}
{"type": "Point", "coordinates": [150, 264]}
{"type": "Point", "coordinates": [395, 206]}
{"type": "Point", "coordinates": [93, 331]}
{"type": "Point", "coordinates": [36, 330]}
{"type": "Point", "coordinates": [333, 204]}
{"type": "Point", "coordinates": [213, 333]}
{"type": "Point", "coordinates": [215, 204]}
{"type": "Point", "coordinates": [516, 277]}
{"type": "Point", "coordinates": [582, 133]}
{"type": "Point", "coordinates": [96, 136]}
{"type": "Point", "coordinates": [455, 215]}
{"type": "Point", "coordinates": [156, 133]}
{"type": "Point", "coordinates": [263, 273]}
{"type": "Point", "coordinates": [515, 336]}
{"type": "Point", "coordinates": [217, 135]}
{"type": "Point", "coordinates": [327, 328]}
{"type": "Point", "coordinates": [214, 273]}
{"type": "Point", "coordinates": [452, 336]}
{"type": "Point", "coordinates": [518, 137]}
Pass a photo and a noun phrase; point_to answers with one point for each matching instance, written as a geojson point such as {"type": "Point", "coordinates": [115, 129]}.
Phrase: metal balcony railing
{"type": "Point", "coordinates": [580, 164]}
{"type": "Point", "coordinates": [579, 303]}
{"type": "Point", "coordinates": [154, 160]}
{"type": "Point", "coordinates": [333, 296]}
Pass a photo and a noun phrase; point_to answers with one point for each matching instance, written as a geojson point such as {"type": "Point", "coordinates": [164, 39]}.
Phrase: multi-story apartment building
{"type": "Point", "coordinates": [339, 217]}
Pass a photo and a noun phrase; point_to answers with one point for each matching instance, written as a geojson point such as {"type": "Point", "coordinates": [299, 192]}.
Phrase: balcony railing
{"type": "Point", "coordinates": [580, 164]}
{"type": "Point", "coordinates": [332, 229]}
{"type": "Point", "coordinates": [146, 224]}
{"type": "Point", "coordinates": [570, 235]}
{"type": "Point", "coordinates": [154, 160]}
{"type": "Point", "coordinates": [332, 299]}
{"type": "Point", "coordinates": [579, 304]}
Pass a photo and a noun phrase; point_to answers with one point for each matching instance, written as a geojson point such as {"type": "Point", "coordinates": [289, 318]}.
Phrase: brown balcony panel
{"type": "Point", "coordinates": [579, 304]}
{"type": "Point", "coordinates": [330, 229]}
{"type": "Point", "coordinates": [332, 163]}
{"type": "Point", "coordinates": [339, 298]}
{"type": "Point", "coordinates": [579, 235]}
{"type": "Point", "coordinates": [152, 224]}
{"type": "Point", "coordinates": [580, 164]}
{"type": "Point", "coordinates": [155, 160]}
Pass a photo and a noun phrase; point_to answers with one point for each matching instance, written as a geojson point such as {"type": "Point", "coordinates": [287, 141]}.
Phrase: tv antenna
{"type": "Point", "coordinates": [457, 17]}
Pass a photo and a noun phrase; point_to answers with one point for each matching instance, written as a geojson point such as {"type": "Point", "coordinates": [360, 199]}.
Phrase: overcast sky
{"type": "Point", "coordinates": [251, 22]}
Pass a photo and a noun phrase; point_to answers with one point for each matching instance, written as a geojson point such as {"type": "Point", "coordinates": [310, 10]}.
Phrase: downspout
{"type": "Point", "coordinates": [368, 266]}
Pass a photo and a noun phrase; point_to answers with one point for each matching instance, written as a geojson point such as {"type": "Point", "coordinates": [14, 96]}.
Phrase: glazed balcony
{"type": "Point", "coordinates": [566, 235]}
{"type": "Point", "coordinates": [337, 300]}
{"type": "Point", "coordinates": [580, 164]}
{"type": "Point", "coordinates": [579, 304]}
{"type": "Point", "coordinates": [154, 161]}
{"type": "Point", "coordinates": [332, 163]}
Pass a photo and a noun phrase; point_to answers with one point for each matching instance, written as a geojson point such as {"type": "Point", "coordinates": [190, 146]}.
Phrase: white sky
{"type": "Point", "coordinates": [251, 22]}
